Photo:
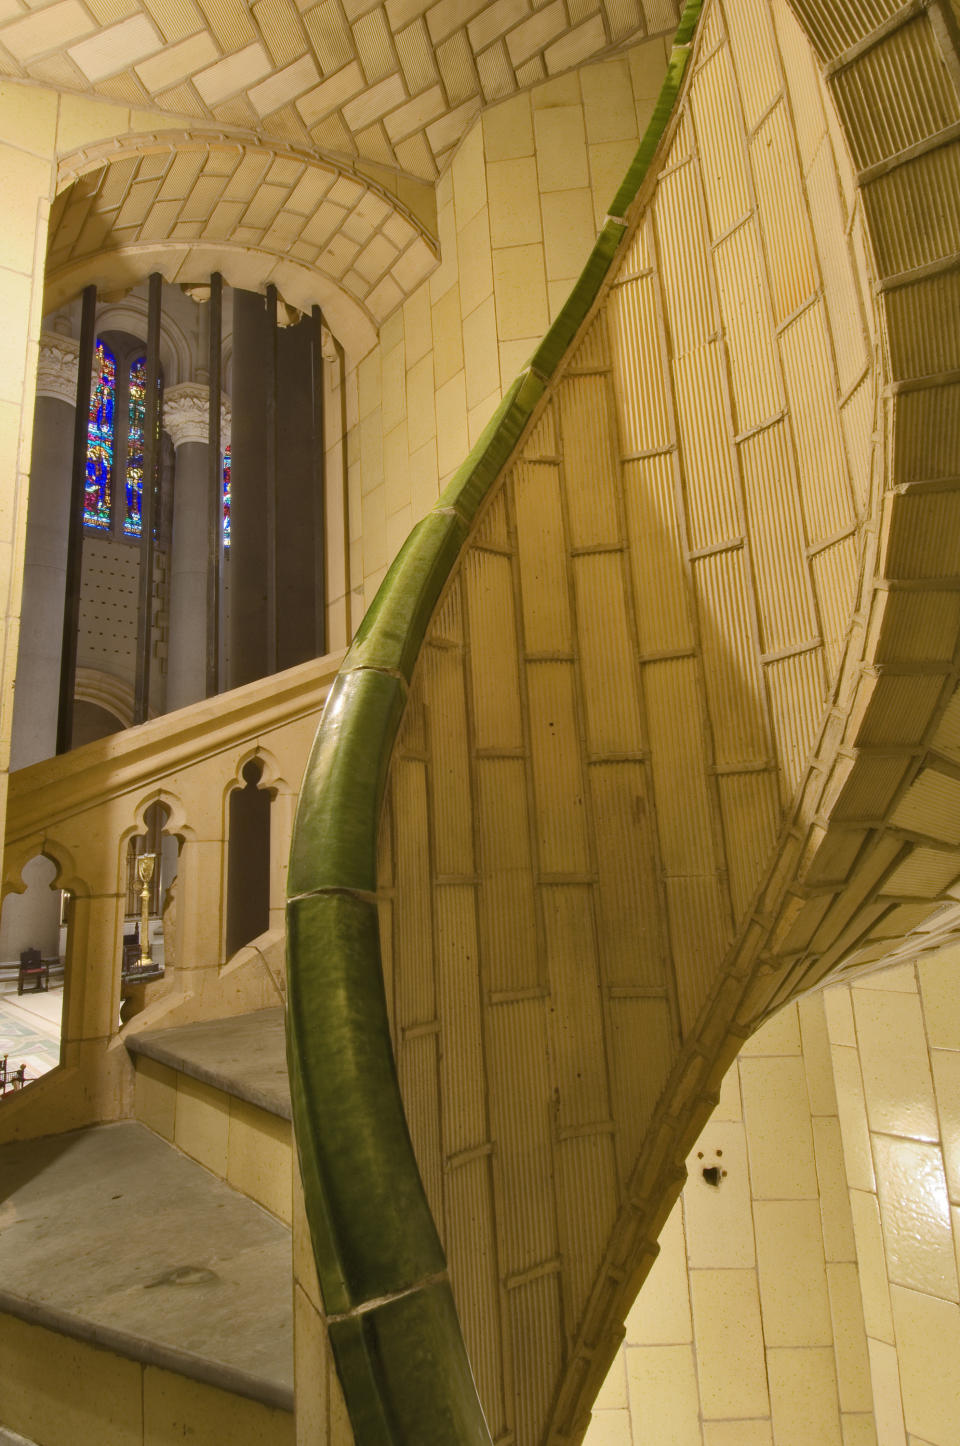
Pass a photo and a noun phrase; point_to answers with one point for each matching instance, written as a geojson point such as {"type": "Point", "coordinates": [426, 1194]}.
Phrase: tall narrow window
{"type": "Point", "coordinates": [100, 439]}
{"type": "Point", "coordinates": [226, 500]}
{"type": "Point", "coordinates": [116, 434]}
{"type": "Point", "coordinates": [136, 412]}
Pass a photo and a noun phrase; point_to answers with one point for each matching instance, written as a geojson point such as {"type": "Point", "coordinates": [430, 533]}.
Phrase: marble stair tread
{"type": "Point", "coordinates": [113, 1236]}
{"type": "Point", "coordinates": [244, 1056]}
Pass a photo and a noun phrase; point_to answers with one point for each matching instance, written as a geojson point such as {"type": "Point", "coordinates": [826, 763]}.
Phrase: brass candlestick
{"type": "Point", "coordinates": [145, 865]}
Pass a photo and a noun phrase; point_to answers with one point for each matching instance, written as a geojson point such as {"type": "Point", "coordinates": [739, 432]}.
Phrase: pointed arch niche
{"type": "Point", "coordinates": [35, 917]}
{"type": "Point", "coordinates": [155, 835]}
{"type": "Point", "coordinates": [248, 857]}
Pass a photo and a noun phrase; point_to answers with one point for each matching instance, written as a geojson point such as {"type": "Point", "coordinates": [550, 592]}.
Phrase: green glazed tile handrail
{"type": "Point", "coordinates": [392, 1323]}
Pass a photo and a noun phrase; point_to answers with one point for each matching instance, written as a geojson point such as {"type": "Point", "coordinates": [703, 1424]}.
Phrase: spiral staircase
{"type": "Point", "coordinates": [652, 727]}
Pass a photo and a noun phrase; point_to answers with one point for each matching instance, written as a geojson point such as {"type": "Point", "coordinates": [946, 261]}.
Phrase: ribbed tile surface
{"type": "Point", "coordinates": [658, 695]}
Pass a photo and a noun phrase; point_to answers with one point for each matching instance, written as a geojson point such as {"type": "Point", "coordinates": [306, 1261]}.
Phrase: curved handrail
{"type": "Point", "coordinates": [390, 1315]}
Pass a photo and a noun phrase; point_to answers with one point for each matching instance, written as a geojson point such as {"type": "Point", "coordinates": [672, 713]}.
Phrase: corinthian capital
{"type": "Point", "coordinates": [186, 412]}
{"type": "Point", "coordinates": [57, 367]}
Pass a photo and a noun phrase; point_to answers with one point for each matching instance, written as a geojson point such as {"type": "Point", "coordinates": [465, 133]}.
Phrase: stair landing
{"type": "Point", "coordinates": [112, 1236]}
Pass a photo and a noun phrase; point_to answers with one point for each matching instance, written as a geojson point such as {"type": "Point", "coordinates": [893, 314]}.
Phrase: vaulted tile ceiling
{"type": "Point", "coordinates": [392, 84]}
{"type": "Point", "coordinates": [187, 204]}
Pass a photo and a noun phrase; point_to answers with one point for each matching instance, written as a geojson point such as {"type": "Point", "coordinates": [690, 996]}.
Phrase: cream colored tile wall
{"type": "Point", "coordinates": [748, 1330]}
{"type": "Point", "coordinates": [518, 211]}
{"type": "Point", "coordinates": [28, 127]}
{"type": "Point", "coordinates": [895, 1040]}
{"type": "Point", "coordinates": [813, 1296]}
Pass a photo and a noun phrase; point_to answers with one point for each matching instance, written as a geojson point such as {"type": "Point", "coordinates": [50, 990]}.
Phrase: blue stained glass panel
{"type": "Point", "coordinates": [226, 500]}
{"type": "Point", "coordinates": [136, 412]}
{"type": "Point", "coordinates": [100, 427]}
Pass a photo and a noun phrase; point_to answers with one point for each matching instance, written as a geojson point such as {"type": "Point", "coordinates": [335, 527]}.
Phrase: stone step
{"type": "Point", "coordinates": [244, 1056]}
{"type": "Point", "coordinates": [134, 1283]}
{"type": "Point", "coordinates": [218, 1090]}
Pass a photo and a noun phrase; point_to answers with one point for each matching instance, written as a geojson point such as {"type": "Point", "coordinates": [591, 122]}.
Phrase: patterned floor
{"type": "Point", "coordinates": [30, 1028]}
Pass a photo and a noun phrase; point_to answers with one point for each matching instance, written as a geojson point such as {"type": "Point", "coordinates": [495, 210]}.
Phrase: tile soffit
{"type": "Point", "coordinates": [264, 85]}
{"type": "Point", "coordinates": [394, 85]}
{"type": "Point", "coordinates": [188, 202]}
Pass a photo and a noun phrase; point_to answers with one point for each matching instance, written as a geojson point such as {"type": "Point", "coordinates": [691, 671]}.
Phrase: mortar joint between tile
{"type": "Point", "coordinates": [366, 896]}
{"type": "Point", "coordinates": [377, 668]}
{"type": "Point", "coordinates": [375, 1302]}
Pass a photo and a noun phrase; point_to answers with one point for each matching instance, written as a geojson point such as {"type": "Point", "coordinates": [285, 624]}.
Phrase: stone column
{"type": "Point", "coordinates": [185, 417]}
{"type": "Point", "coordinates": [36, 699]}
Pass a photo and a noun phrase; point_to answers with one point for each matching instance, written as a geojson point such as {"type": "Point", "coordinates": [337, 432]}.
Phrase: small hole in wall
{"type": "Point", "coordinates": [713, 1174]}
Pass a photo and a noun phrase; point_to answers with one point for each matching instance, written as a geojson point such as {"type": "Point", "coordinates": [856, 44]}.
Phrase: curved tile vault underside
{"type": "Point", "coordinates": [683, 736]}
{"type": "Point", "coordinates": [395, 85]}
{"type": "Point", "coordinates": [187, 203]}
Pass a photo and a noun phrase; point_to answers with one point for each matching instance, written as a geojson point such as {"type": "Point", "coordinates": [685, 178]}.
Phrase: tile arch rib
{"type": "Point", "coordinates": [188, 203]}
{"type": "Point", "coordinates": [799, 703]}
{"type": "Point", "coordinates": [242, 267]}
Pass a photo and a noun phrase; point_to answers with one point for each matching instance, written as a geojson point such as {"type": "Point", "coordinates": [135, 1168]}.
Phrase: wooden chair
{"type": "Point", "coordinates": [32, 966]}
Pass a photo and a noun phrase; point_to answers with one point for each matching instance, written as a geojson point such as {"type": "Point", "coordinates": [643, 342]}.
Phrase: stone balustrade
{"type": "Point", "coordinates": [80, 810]}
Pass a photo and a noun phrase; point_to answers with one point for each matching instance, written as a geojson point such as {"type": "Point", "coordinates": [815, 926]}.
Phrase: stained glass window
{"type": "Point", "coordinates": [96, 505]}
{"type": "Point", "coordinates": [136, 412]}
{"type": "Point", "coordinates": [226, 500]}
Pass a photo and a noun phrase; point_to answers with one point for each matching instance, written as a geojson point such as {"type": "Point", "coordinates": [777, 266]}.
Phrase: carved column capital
{"type": "Point", "coordinates": [57, 367]}
{"type": "Point", "coordinates": [186, 412]}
